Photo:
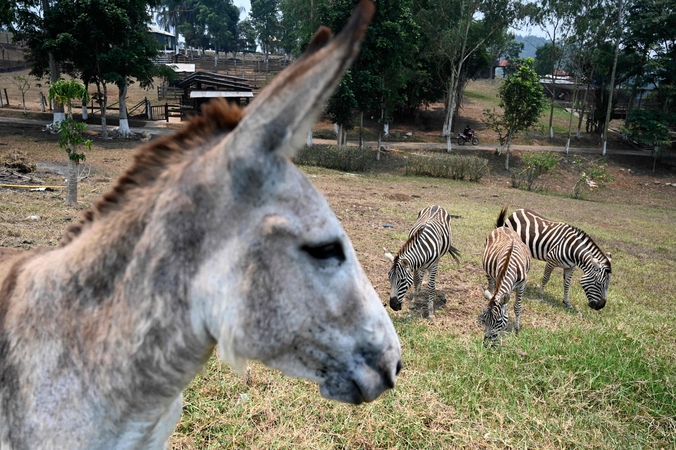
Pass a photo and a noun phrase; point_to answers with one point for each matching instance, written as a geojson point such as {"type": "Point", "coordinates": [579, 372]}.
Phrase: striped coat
{"type": "Point", "coordinates": [506, 261]}
{"type": "Point", "coordinates": [565, 246]}
{"type": "Point", "coordinates": [429, 240]}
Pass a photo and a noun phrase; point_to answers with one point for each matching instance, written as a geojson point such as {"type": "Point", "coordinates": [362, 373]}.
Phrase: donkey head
{"type": "Point", "coordinates": [401, 278]}
{"type": "Point", "coordinates": [282, 283]}
{"type": "Point", "coordinates": [595, 282]}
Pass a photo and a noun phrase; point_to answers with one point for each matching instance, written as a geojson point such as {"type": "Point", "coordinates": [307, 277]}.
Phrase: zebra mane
{"type": "Point", "coordinates": [595, 248]}
{"type": "Point", "coordinates": [410, 242]}
{"type": "Point", "coordinates": [503, 271]}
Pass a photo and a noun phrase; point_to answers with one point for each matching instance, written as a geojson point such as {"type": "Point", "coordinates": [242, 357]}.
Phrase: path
{"type": "Point", "coordinates": [161, 128]}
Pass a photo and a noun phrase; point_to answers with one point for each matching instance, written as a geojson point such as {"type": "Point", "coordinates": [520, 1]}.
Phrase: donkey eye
{"type": "Point", "coordinates": [325, 251]}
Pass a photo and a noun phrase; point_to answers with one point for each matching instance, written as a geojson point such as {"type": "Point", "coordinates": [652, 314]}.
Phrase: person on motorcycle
{"type": "Point", "coordinates": [467, 132]}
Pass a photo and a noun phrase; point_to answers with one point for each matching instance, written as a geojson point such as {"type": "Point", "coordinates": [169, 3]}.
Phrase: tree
{"type": "Point", "coordinates": [651, 128]}
{"type": "Point", "coordinates": [33, 24]}
{"type": "Point", "coordinates": [23, 84]}
{"type": "Point", "coordinates": [264, 16]}
{"type": "Point", "coordinates": [522, 99]}
{"type": "Point", "coordinates": [341, 106]}
{"type": "Point", "coordinates": [64, 92]}
{"type": "Point", "coordinates": [384, 66]}
{"type": "Point", "coordinates": [457, 34]}
{"type": "Point", "coordinates": [556, 18]}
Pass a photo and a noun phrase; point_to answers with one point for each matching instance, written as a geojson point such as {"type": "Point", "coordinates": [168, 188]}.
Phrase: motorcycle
{"type": "Point", "coordinates": [469, 137]}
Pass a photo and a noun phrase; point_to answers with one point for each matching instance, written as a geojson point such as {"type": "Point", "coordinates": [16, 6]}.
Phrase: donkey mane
{"type": "Point", "coordinates": [218, 118]}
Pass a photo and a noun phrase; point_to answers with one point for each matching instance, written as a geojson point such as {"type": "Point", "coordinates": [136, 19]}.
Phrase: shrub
{"type": "Point", "coordinates": [347, 159]}
{"type": "Point", "coordinates": [536, 165]}
{"type": "Point", "coordinates": [592, 175]}
{"type": "Point", "coordinates": [456, 167]}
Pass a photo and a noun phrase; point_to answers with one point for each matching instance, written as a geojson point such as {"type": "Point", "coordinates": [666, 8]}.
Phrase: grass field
{"type": "Point", "coordinates": [571, 379]}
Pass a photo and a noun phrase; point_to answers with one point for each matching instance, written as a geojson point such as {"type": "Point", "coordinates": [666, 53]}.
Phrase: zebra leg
{"type": "Point", "coordinates": [545, 278]}
{"type": "Point", "coordinates": [431, 288]}
{"type": "Point", "coordinates": [520, 289]}
{"type": "Point", "coordinates": [488, 293]}
{"type": "Point", "coordinates": [567, 276]}
{"type": "Point", "coordinates": [417, 281]}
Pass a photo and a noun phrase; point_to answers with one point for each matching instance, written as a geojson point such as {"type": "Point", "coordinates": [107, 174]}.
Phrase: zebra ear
{"type": "Point", "coordinates": [404, 262]}
{"type": "Point", "coordinates": [389, 256]}
{"type": "Point", "coordinates": [609, 256]}
{"type": "Point", "coordinates": [596, 263]}
{"type": "Point", "coordinates": [487, 294]}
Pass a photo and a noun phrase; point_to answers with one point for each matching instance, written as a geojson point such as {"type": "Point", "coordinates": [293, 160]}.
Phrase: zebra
{"type": "Point", "coordinates": [506, 260]}
{"type": "Point", "coordinates": [565, 246]}
{"type": "Point", "coordinates": [428, 240]}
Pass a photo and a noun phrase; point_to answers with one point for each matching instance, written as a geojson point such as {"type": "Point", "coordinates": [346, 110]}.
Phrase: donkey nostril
{"type": "Point", "coordinates": [399, 366]}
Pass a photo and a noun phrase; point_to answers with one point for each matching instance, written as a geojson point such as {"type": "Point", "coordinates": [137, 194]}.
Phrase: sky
{"type": "Point", "coordinates": [243, 3]}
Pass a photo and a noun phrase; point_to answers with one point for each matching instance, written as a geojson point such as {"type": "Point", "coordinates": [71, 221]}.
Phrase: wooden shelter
{"type": "Point", "coordinates": [201, 87]}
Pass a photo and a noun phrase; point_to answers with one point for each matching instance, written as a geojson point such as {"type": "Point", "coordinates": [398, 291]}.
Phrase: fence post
{"type": "Point", "coordinates": [6, 96]}
{"type": "Point", "coordinates": [166, 111]}
{"type": "Point", "coordinates": [1, 104]}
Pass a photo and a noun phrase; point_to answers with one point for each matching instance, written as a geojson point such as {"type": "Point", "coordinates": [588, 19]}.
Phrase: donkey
{"type": "Point", "coordinates": [212, 237]}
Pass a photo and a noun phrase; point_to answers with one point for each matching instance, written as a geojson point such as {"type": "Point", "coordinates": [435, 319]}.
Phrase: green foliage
{"type": "Point", "coordinates": [546, 58]}
{"type": "Point", "coordinates": [347, 159]}
{"type": "Point", "coordinates": [64, 92]}
{"type": "Point", "coordinates": [498, 124]}
{"type": "Point", "coordinates": [455, 167]}
{"type": "Point", "coordinates": [522, 98]}
{"type": "Point", "coordinates": [651, 128]}
{"type": "Point", "coordinates": [71, 133]}
{"type": "Point", "coordinates": [535, 165]}
{"type": "Point", "coordinates": [264, 17]}
{"type": "Point", "coordinates": [342, 103]}
{"type": "Point", "coordinates": [592, 174]}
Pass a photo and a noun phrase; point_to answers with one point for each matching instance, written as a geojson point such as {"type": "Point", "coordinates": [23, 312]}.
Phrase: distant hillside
{"type": "Point", "coordinates": [530, 44]}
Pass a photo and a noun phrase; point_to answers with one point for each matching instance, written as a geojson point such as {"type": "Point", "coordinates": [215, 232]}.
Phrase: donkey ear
{"type": "Point", "coordinates": [280, 116]}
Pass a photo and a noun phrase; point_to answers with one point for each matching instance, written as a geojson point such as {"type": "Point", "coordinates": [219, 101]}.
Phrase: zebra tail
{"type": "Point", "coordinates": [454, 252]}
{"type": "Point", "coordinates": [501, 218]}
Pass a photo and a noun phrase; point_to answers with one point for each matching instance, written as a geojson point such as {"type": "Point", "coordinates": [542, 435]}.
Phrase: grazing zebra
{"type": "Point", "coordinates": [506, 261]}
{"type": "Point", "coordinates": [563, 245]}
{"type": "Point", "coordinates": [428, 241]}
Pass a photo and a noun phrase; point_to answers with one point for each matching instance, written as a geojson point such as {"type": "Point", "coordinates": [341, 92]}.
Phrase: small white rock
{"type": "Point", "coordinates": [34, 218]}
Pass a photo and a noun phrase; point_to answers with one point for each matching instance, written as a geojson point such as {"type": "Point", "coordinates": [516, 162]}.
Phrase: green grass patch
{"type": "Point", "coordinates": [347, 159]}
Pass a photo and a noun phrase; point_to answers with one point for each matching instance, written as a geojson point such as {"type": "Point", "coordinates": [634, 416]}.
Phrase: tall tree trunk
{"type": "Point", "coordinates": [104, 111]}
{"type": "Point", "coordinates": [71, 187]}
{"type": "Point", "coordinates": [361, 131]}
{"type": "Point", "coordinates": [572, 112]}
{"type": "Point", "coordinates": [609, 110]}
{"type": "Point", "coordinates": [509, 142]}
{"type": "Point", "coordinates": [583, 108]}
{"type": "Point", "coordinates": [123, 130]}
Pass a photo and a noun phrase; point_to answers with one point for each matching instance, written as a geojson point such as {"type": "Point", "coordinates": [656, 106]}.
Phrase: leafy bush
{"type": "Point", "coordinates": [456, 167]}
{"type": "Point", "coordinates": [347, 159]}
{"type": "Point", "coordinates": [536, 165]}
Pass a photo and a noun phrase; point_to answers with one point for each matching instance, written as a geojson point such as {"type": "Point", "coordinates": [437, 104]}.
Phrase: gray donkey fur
{"type": "Point", "coordinates": [212, 237]}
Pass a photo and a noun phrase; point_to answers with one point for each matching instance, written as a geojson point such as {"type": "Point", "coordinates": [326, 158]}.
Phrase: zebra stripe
{"type": "Point", "coordinates": [429, 240]}
{"type": "Point", "coordinates": [565, 246]}
{"type": "Point", "coordinates": [506, 260]}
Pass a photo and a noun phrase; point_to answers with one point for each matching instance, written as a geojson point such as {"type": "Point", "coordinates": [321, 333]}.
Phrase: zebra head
{"type": "Point", "coordinates": [401, 278]}
{"type": "Point", "coordinates": [595, 282]}
{"type": "Point", "coordinates": [494, 319]}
